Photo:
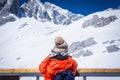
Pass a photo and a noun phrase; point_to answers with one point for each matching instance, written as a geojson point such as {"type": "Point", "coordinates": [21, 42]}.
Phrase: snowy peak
{"type": "Point", "coordinates": [9, 6]}
{"type": "Point", "coordinates": [31, 11]}
{"type": "Point", "coordinates": [59, 13]}
{"type": "Point", "coordinates": [49, 12]}
{"type": "Point", "coordinates": [2, 3]}
{"type": "Point", "coordinates": [46, 12]}
{"type": "Point", "coordinates": [34, 3]}
{"type": "Point", "coordinates": [6, 8]}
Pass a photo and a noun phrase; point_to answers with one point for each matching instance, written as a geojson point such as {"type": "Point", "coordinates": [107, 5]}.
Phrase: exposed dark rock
{"type": "Point", "coordinates": [112, 48]}
{"type": "Point", "coordinates": [7, 19]}
{"type": "Point", "coordinates": [88, 42]}
{"type": "Point", "coordinates": [10, 6]}
{"type": "Point", "coordinates": [99, 21]}
{"type": "Point", "coordinates": [118, 39]}
{"type": "Point", "coordinates": [23, 25]}
{"type": "Point", "coordinates": [88, 53]}
{"type": "Point", "coordinates": [104, 52]}
{"type": "Point", "coordinates": [15, 7]}
{"type": "Point", "coordinates": [75, 46]}
{"type": "Point", "coordinates": [77, 55]}
{"type": "Point", "coordinates": [1, 58]}
{"type": "Point", "coordinates": [112, 41]}
{"type": "Point", "coordinates": [2, 3]}
{"type": "Point", "coordinates": [82, 53]}
{"type": "Point", "coordinates": [18, 58]}
{"type": "Point", "coordinates": [105, 42]}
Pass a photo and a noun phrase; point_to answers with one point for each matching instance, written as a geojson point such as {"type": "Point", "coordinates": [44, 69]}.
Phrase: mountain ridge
{"type": "Point", "coordinates": [49, 12]}
{"type": "Point", "coordinates": [46, 12]}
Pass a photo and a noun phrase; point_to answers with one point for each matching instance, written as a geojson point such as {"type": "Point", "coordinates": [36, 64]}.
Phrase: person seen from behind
{"type": "Point", "coordinates": [58, 60]}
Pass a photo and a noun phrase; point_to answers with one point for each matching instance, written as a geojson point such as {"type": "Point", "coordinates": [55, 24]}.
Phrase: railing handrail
{"type": "Point", "coordinates": [80, 70]}
{"type": "Point", "coordinates": [84, 72]}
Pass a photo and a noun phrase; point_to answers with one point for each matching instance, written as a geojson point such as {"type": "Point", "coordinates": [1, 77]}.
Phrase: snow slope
{"type": "Point", "coordinates": [20, 41]}
{"type": "Point", "coordinates": [26, 42]}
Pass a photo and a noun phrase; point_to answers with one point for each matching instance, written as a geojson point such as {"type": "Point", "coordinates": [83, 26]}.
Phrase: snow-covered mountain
{"type": "Point", "coordinates": [9, 10]}
{"type": "Point", "coordinates": [94, 41]}
{"type": "Point", "coordinates": [49, 12]}
{"type": "Point", "coordinates": [2, 3]}
{"type": "Point", "coordinates": [118, 7]}
{"type": "Point", "coordinates": [46, 12]}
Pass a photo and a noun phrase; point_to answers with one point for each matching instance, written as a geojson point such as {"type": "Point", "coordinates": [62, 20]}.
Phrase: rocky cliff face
{"type": "Point", "coordinates": [2, 3]}
{"type": "Point", "coordinates": [97, 21]}
{"type": "Point", "coordinates": [7, 8]}
{"type": "Point", "coordinates": [46, 12]}
{"type": "Point", "coordinates": [49, 12]}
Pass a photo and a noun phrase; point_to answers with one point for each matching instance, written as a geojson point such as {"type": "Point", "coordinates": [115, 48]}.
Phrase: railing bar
{"type": "Point", "coordinates": [84, 78]}
{"type": "Point", "coordinates": [100, 74]}
{"type": "Point", "coordinates": [84, 75]}
{"type": "Point", "coordinates": [37, 77]}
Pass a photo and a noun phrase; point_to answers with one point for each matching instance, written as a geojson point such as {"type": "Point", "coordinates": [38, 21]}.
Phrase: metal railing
{"type": "Point", "coordinates": [33, 74]}
{"type": "Point", "coordinates": [82, 73]}
{"type": "Point", "coordinates": [85, 75]}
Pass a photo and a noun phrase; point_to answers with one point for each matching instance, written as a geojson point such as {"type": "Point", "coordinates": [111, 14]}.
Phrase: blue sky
{"type": "Point", "coordinates": [84, 7]}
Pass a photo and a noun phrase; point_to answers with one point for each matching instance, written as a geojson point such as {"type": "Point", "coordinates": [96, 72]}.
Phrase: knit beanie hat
{"type": "Point", "coordinates": [60, 45]}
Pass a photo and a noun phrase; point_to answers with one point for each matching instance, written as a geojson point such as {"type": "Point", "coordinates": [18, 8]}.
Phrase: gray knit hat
{"type": "Point", "coordinates": [60, 45]}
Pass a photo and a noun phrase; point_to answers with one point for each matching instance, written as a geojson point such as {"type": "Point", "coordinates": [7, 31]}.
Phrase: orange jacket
{"type": "Point", "coordinates": [50, 66]}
